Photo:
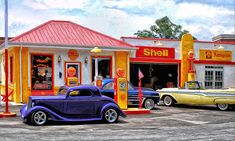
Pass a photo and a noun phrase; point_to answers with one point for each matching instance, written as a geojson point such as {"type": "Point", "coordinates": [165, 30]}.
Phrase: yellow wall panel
{"type": "Point", "coordinates": [25, 90]}
{"type": "Point", "coordinates": [121, 60]}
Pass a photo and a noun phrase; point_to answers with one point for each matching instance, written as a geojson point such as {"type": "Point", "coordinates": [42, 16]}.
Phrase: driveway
{"type": "Point", "coordinates": [164, 123]}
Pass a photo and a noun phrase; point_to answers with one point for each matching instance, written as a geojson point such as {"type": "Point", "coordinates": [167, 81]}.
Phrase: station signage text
{"type": "Point", "coordinates": [215, 55]}
{"type": "Point", "coordinates": [155, 52]}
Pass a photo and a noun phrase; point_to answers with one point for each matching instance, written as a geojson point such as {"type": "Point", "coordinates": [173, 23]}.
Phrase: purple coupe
{"type": "Point", "coordinates": [79, 103]}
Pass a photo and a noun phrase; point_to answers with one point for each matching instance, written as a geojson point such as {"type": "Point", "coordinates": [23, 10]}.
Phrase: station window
{"type": "Point", "coordinates": [11, 69]}
{"type": "Point", "coordinates": [104, 67]}
{"type": "Point", "coordinates": [214, 77]}
{"type": "Point", "coordinates": [41, 71]}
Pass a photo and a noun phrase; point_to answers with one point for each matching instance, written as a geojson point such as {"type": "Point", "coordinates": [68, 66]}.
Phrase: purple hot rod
{"type": "Point", "coordinates": [79, 103]}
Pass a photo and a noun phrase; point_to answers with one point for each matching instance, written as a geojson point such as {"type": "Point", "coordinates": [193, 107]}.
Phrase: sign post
{"type": "Point", "coordinates": [6, 113]}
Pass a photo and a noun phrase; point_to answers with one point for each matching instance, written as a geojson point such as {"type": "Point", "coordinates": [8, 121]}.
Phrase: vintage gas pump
{"type": "Point", "coordinates": [121, 89]}
{"type": "Point", "coordinates": [98, 81]}
{"type": "Point", "coordinates": [71, 80]}
{"type": "Point", "coordinates": [191, 71]}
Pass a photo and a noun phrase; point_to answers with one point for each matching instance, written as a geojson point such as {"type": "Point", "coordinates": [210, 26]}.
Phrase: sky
{"type": "Point", "coordinates": [204, 19]}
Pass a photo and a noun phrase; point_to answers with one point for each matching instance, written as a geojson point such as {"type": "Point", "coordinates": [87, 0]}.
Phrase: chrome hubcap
{"type": "Point", "coordinates": [223, 106]}
{"type": "Point", "coordinates": [40, 118]}
{"type": "Point", "coordinates": [111, 115]}
{"type": "Point", "coordinates": [149, 104]}
{"type": "Point", "coordinates": [167, 101]}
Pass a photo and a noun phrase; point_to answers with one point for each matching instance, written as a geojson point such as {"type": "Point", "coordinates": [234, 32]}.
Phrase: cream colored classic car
{"type": "Point", "coordinates": [193, 94]}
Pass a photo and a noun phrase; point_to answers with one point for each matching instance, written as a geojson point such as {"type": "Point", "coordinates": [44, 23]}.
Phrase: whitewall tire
{"type": "Point", "coordinates": [223, 107]}
{"type": "Point", "coordinates": [168, 100]}
{"type": "Point", "coordinates": [149, 104]}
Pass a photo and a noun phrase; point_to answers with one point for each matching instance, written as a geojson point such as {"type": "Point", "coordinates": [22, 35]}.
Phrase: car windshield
{"type": "Point", "coordinates": [192, 85]}
{"type": "Point", "coordinates": [62, 90]}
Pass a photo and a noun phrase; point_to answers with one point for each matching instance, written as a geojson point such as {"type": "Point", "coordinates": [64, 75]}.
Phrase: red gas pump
{"type": "Point", "coordinates": [98, 81]}
{"type": "Point", "coordinates": [71, 80]}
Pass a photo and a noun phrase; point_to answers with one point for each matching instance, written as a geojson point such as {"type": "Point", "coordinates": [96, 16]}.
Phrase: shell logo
{"type": "Point", "coordinates": [71, 72]}
{"type": "Point", "coordinates": [73, 54]}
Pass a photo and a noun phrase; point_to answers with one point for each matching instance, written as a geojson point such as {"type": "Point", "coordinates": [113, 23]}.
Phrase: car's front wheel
{"type": "Point", "coordinates": [149, 104]}
{"type": "Point", "coordinates": [168, 100]}
{"type": "Point", "coordinates": [39, 118]}
{"type": "Point", "coordinates": [223, 107]}
{"type": "Point", "coordinates": [110, 115]}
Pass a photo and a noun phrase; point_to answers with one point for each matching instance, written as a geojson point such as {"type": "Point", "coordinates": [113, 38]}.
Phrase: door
{"type": "Point", "coordinates": [77, 67]}
{"type": "Point", "coordinates": [189, 96]}
{"type": "Point", "coordinates": [81, 103]}
{"type": "Point", "coordinates": [42, 74]}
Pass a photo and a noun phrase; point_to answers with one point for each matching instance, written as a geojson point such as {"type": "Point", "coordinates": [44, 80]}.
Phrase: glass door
{"type": "Point", "coordinates": [76, 66]}
{"type": "Point", "coordinates": [42, 74]}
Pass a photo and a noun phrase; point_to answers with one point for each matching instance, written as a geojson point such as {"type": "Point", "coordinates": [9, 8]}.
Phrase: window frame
{"type": "Point", "coordinates": [212, 78]}
{"type": "Point", "coordinates": [110, 64]}
{"type": "Point", "coordinates": [11, 69]}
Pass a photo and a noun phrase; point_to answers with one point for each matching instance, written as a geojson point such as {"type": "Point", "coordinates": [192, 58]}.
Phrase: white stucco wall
{"type": "Point", "coordinates": [229, 74]}
{"type": "Point", "coordinates": [229, 70]}
{"type": "Point", "coordinates": [59, 67]}
{"type": "Point", "coordinates": [176, 45]}
{"type": "Point", "coordinates": [1, 66]}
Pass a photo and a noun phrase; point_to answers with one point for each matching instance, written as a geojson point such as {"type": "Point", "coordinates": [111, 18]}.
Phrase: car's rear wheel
{"type": "Point", "coordinates": [149, 104]}
{"type": "Point", "coordinates": [110, 115]}
{"type": "Point", "coordinates": [223, 107]}
{"type": "Point", "coordinates": [39, 118]}
{"type": "Point", "coordinates": [168, 100]}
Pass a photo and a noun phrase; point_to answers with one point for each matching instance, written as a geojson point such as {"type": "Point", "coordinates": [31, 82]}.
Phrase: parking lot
{"type": "Point", "coordinates": [164, 123]}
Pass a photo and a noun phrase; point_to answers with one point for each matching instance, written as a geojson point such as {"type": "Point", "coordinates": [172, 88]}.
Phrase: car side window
{"type": "Point", "coordinates": [109, 86]}
{"type": "Point", "coordinates": [85, 93]}
{"type": "Point", "coordinates": [80, 93]}
{"type": "Point", "coordinates": [62, 91]}
{"type": "Point", "coordinates": [74, 93]}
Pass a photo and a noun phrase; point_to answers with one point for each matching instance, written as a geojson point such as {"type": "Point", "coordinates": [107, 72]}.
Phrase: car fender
{"type": "Point", "coordinates": [165, 94]}
{"type": "Point", "coordinates": [106, 106]}
{"type": "Point", "coordinates": [50, 113]}
{"type": "Point", "coordinates": [224, 101]}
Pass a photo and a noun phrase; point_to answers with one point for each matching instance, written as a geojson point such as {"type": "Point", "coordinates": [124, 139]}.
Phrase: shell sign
{"type": "Point", "coordinates": [155, 52]}
{"type": "Point", "coordinates": [71, 72]}
{"type": "Point", "coordinates": [73, 54]}
{"type": "Point", "coordinates": [215, 55]}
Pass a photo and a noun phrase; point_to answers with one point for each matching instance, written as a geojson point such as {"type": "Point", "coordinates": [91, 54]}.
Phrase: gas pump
{"type": "Point", "coordinates": [121, 89]}
{"type": "Point", "coordinates": [71, 80]}
{"type": "Point", "coordinates": [98, 81]}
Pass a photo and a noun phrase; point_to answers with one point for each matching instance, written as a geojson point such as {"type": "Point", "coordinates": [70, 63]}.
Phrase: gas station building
{"type": "Point", "coordinates": [160, 62]}
{"type": "Point", "coordinates": [39, 59]}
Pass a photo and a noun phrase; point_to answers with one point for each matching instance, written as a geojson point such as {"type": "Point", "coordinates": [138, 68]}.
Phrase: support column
{"type": "Point", "coordinates": [16, 76]}
{"type": "Point", "coordinates": [186, 45]}
{"type": "Point", "coordinates": [25, 92]}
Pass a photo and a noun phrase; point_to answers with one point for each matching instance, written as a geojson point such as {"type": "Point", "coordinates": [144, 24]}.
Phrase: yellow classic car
{"type": "Point", "coordinates": [193, 94]}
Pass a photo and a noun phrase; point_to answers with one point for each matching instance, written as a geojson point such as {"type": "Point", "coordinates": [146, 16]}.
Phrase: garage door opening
{"type": "Point", "coordinates": [156, 76]}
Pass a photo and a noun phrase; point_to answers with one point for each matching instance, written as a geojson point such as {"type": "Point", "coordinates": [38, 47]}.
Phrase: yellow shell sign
{"type": "Point", "coordinates": [73, 54]}
{"type": "Point", "coordinates": [215, 55]}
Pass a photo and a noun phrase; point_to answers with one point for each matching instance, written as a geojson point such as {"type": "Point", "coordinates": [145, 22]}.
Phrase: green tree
{"type": "Point", "coordinates": [163, 28]}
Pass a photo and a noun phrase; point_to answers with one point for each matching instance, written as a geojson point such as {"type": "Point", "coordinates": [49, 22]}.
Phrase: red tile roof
{"type": "Point", "coordinates": [67, 33]}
